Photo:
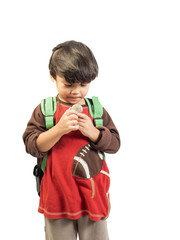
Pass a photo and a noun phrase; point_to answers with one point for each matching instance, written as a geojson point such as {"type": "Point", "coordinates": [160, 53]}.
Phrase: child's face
{"type": "Point", "coordinates": [71, 93]}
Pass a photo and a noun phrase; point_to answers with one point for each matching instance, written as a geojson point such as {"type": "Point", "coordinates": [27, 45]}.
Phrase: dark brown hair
{"type": "Point", "coordinates": [75, 61]}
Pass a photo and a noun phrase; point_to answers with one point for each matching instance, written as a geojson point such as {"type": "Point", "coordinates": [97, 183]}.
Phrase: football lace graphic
{"type": "Point", "coordinates": [88, 162]}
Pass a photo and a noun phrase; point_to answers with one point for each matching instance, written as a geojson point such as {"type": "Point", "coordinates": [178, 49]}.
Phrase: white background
{"type": "Point", "coordinates": [137, 46]}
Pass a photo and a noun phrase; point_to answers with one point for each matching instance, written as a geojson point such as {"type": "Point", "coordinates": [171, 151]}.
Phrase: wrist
{"type": "Point", "coordinates": [60, 130]}
{"type": "Point", "coordinates": [95, 135]}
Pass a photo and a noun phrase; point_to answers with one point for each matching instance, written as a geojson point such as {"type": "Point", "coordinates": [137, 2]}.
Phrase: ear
{"type": "Point", "coordinates": [52, 79]}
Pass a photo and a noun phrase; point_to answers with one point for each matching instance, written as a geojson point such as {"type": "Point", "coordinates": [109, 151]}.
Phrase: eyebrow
{"type": "Point", "coordinates": [66, 82]}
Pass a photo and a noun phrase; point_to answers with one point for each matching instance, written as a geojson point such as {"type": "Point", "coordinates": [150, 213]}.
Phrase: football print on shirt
{"type": "Point", "coordinates": [87, 163]}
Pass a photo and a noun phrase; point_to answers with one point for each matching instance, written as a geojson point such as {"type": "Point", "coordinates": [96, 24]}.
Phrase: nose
{"type": "Point", "coordinates": [75, 90]}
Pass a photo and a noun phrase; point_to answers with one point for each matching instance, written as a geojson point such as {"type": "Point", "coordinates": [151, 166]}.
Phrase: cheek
{"type": "Point", "coordinates": [61, 89]}
{"type": "Point", "coordinates": [85, 91]}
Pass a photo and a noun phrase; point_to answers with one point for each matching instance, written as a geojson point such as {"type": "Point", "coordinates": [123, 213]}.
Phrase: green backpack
{"type": "Point", "coordinates": [48, 108]}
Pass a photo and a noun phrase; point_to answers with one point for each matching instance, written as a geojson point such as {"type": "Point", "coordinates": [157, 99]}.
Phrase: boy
{"type": "Point", "coordinates": [71, 201]}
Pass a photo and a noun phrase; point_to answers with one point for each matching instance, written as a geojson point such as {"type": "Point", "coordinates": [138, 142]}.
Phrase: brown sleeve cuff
{"type": "Point", "coordinates": [31, 146]}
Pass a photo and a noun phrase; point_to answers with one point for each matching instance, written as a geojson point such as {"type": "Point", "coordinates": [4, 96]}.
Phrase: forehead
{"type": "Point", "coordinates": [61, 79]}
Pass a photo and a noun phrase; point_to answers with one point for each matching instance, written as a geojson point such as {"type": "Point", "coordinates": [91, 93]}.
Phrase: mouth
{"type": "Point", "coordinates": [74, 99]}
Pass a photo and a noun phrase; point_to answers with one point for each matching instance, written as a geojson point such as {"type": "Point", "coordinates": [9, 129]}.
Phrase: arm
{"type": "Point", "coordinates": [104, 138]}
{"type": "Point", "coordinates": [35, 127]}
{"type": "Point", "coordinates": [38, 140]}
{"type": "Point", "coordinates": [109, 140]}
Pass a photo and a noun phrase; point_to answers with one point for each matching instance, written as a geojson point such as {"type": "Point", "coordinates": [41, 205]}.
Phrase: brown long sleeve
{"type": "Point", "coordinates": [109, 140]}
{"type": "Point", "coordinates": [35, 127]}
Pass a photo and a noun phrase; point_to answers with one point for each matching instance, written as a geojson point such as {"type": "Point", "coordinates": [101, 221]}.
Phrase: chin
{"type": "Point", "coordinates": [74, 100]}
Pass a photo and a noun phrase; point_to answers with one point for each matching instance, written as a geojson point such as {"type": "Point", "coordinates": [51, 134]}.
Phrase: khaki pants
{"type": "Point", "coordinates": [66, 229]}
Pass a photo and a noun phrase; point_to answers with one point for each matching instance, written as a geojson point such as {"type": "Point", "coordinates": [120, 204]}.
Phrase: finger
{"type": "Point", "coordinates": [70, 111]}
{"type": "Point", "coordinates": [73, 117]}
{"type": "Point", "coordinates": [74, 128]}
{"type": "Point", "coordinates": [81, 120]}
{"type": "Point", "coordinates": [83, 116]}
{"type": "Point", "coordinates": [81, 124]}
{"type": "Point", "coordinates": [74, 123]}
{"type": "Point", "coordinates": [81, 128]}
{"type": "Point", "coordinates": [71, 114]}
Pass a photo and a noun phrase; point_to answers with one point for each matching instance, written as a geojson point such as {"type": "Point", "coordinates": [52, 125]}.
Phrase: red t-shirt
{"type": "Point", "coordinates": [76, 179]}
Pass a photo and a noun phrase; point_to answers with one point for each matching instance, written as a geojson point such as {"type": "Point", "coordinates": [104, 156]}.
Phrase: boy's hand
{"type": "Point", "coordinates": [69, 121]}
{"type": "Point", "coordinates": [87, 128]}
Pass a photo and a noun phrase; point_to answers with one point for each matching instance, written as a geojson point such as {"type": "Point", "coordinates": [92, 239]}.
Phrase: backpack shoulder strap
{"type": "Point", "coordinates": [48, 108]}
{"type": "Point", "coordinates": [96, 110]}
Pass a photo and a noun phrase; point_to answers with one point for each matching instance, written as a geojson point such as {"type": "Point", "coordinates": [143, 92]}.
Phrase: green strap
{"type": "Point", "coordinates": [44, 162]}
{"type": "Point", "coordinates": [90, 107]}
{"type": "Point", "coordinates": [98, 112]}
{"type": "Point", "coordinates": [48, 108]}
